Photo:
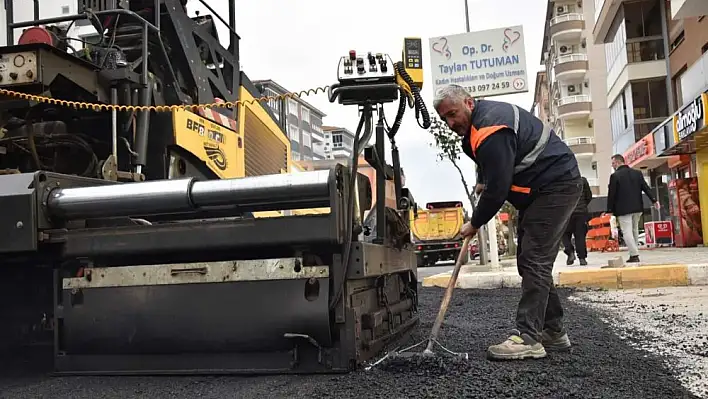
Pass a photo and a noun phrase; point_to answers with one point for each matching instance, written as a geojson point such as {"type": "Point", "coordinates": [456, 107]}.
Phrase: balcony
{"type": "Point", "coordinates": [571, 66]}
{"type": "Point", "coordinates": [581, 146]}
{"type": "Point", "coordinates": [574, 107]}
{"type": "Point", "coordinates": [567, 27]}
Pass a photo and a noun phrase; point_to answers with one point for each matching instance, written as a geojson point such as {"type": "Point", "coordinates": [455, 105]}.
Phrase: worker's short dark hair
{"type": "Point", "coordinates": [618, 157]}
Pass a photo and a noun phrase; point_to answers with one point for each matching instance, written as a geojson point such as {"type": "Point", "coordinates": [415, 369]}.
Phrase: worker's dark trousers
{"type": "Point", "coordinates": [576, 231]}
{"type": "Point", "coordinates": [541, 227]}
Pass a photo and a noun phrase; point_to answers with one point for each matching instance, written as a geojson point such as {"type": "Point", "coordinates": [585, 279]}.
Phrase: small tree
{"type": "Point", "coordinates": [449, 147]}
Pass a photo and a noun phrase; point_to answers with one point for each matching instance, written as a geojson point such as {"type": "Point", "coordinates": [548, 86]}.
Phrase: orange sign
{"type": "Point", "coordinates": [641, 150]}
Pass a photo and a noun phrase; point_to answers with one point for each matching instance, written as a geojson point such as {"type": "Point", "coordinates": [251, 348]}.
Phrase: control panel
{"type": "Point", "coordinates": [412, 57]}
{"type": "Point", "coordinates": [366, 68]}
{"type": "Point", "coordinates": [18, 68]}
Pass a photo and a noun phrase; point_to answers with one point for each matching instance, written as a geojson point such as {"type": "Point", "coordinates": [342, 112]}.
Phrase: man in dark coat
{"type": "Point", "coordinates": [625, 202]}
{"type": "Point", "coordinates": [578, 228]}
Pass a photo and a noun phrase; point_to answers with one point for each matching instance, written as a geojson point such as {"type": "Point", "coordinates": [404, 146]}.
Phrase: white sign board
{"type": "Point", "coordinates": [487, 63]}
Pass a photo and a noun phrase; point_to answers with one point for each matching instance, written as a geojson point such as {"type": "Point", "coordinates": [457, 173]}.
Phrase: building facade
{"type": "Point", "coordinates": [657, 88]}
{"type": "Point", "coordinates": [573, 82]}
{"type": "Point", "coordinates": [301, 120]}
{"type": "Point", "coordinates": [339, 142]}
{"type": "Point", "coordinates": [682, 138]}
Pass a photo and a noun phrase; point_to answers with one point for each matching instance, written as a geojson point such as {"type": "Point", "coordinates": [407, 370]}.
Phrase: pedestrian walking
{"type": "Point", "coordinates": [577, 230]}
{"type": "Point", "coordinates": [525, 163]}
{"type": "Point", "coordinates": [625, 202]}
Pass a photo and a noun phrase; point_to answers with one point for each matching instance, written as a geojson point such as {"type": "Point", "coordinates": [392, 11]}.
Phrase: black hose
{"type": "Point", "coordinates": [420, 108]}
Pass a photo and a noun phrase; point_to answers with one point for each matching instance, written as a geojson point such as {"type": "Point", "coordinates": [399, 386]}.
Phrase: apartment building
{"type": "Point", "coordinates": [681, 139]}
{"type": "Point", "coordinates": [302, 121]}
{"type": "Point", "coordinates": [638, 87]}
{"type": "Point", "coordinates": [339, 142]}
{"type": "Point", "coordinates": [657, 90]}
{"type": "Point", "coordinates": [573, 83]}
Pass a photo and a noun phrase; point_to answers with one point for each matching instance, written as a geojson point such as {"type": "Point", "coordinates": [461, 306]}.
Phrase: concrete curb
{"type": "Point", "coordinates": [645, 276]}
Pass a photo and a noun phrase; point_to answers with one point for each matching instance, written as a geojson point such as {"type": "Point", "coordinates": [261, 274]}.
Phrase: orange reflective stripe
{"type": "Point", "coordinates": [477, 136]}
{"type": "Point", "coordinates": [518, 189]}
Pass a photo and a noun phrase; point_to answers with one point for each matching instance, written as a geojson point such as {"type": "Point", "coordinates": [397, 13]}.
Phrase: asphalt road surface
{"type": "Point", "coordinates": [669, 322]}
{"type": "Point", "coordinates": [606, 362]}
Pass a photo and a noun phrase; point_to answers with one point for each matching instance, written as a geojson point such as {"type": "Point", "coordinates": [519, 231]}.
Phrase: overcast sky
{"type": "Point", "coordinates": [298, 44]}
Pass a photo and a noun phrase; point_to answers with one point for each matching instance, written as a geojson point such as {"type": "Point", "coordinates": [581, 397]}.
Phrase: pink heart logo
{"type": "Point", "coordinates": [512, 35]}
{"type": "Point", "coordinates": [441, 47]}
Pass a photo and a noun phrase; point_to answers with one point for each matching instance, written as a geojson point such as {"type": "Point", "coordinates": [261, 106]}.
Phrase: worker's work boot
{"type": "Point", "coordinates": [554, 341]}
{"type": "Point", "coordinates": [583, 262]}
{"type": "Point", "coordinates": [517, 347]}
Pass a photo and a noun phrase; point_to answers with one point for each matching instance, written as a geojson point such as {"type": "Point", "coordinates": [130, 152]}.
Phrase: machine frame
{"type": "Point", "coordinates": [161, 276]}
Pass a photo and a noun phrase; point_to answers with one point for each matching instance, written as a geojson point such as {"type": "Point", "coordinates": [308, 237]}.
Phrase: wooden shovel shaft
{"type": "Point", "coordinates": [448, 294]}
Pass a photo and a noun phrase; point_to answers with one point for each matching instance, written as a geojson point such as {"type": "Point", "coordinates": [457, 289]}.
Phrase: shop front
{"type": "Point", "coordinates": [686, 138]}
{"type": "Point", "coordinates": [643, 156]}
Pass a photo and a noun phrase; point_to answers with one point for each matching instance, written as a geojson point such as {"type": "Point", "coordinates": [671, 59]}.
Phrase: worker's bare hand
{"type": "Point", "coordinates": [468, 230]}
{"type": "Point", "coordinates": [657, 205]}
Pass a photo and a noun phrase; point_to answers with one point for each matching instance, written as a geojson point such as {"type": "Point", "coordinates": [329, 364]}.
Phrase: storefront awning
{"type": "Point", "coordinates": [643, 154]}
{"type": "Point", "coordinates": [687, 130]}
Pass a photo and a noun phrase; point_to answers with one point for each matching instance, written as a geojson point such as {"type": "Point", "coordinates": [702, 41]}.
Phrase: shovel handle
{"type": "Point", "coordinates": [448, 293]}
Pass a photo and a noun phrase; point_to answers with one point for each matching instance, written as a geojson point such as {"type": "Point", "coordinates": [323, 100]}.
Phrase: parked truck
{"type": "Point", "coordinates": [436, 232]}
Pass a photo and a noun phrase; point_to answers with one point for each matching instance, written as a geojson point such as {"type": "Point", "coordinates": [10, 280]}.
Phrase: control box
{"type": "Point", "coordinates": [366, 69]}
{"type": "Point", "coordinates": [18, 68]}
{"type": "Point", "coordinates": [413, 59]}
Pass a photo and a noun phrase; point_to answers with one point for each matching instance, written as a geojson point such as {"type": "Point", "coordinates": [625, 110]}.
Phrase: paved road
{"type": "Point", "coordinates": [441, 267]}
{"type": "Point", "coordinates": [606, 362]}
{"type": "Point", "coordinates": [669, 322]}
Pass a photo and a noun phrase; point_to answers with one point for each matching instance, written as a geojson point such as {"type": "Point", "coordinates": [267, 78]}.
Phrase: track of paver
{"type": "Point", "coordinates": [601, 365]}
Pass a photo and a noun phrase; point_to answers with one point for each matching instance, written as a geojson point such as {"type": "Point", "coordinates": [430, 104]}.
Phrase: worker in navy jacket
{"type": "Point", "coordinates": [525, 163]}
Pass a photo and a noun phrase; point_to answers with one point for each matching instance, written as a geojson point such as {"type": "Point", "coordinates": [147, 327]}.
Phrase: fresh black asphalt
{"type": "Point", "coordinates": [601, 365]}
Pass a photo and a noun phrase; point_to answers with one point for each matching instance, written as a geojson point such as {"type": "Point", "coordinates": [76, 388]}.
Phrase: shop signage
{"type": "Point", "coordinates": [640, 150]}
{"type": "Point", "coordinates": [659, 233]}
{"type": "Point", "coordinates": [691, 118]}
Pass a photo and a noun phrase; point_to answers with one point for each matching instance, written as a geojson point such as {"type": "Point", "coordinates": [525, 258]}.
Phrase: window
{"type": "Point", "coordinates": [677, 42]}
{"type": "Point", "coordinates": [292, 106]}
{"type": "Point", "coordinates": [616, 53]}
{"type": "Point", "coordinates": [306, 139]}
{"type": "Point", "coordinates": [337, 140]}
{"type": "Point", "coordinates": [643, 18]}
{"type": "Point", "coordinates": [294, 133]}
{"type": "Point", "coordinates": [650, 99]}
{"type": "Point", "coordinates": [305, 115]}
{"type": "Point", "coordinates": [624, 110]}
{"type": "Point", "coordinates": [676, 86]}
{"type": "Point", "coordinates": [645, 50]}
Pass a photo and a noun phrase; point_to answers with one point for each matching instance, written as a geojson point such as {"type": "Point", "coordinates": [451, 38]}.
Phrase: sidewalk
{"type": "Point", "coordinates": [660, 267]}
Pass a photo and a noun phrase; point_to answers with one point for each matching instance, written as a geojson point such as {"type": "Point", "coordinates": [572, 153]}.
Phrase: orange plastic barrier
{"type": "Point", "coordinates": [599, 237]}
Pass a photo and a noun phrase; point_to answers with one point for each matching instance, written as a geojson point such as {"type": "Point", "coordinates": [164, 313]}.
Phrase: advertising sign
{"type": "Point", "coordinates": [690, 118]}
{"type": "Point", "coordinates": [659, 233]}
{"type": "Point", "coordinates": [487, 63]}
{"type": "Point", "coordinates": [641, 150]}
